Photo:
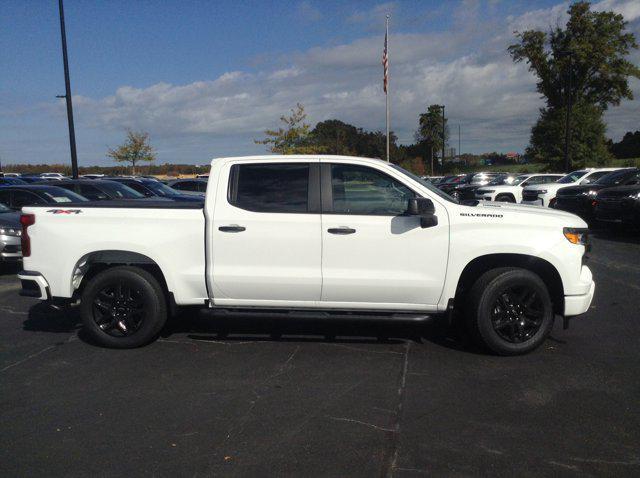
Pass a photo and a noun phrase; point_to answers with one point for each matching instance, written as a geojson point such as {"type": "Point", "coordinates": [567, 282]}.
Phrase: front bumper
{"type": "Point", "coordinates": [10, 249]}
{"type": "Point", "coordinates": [580, 303]}
{"type": "Point", "coordinates": [34, 285]}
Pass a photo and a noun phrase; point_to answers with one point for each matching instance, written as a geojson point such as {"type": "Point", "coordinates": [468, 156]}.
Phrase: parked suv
{"type": "Point", "coordinates": [513, 192]}
{"type": "Point", "coordinates": [581, 200]}
{"type": "Point", "coordinates": [546, 195]}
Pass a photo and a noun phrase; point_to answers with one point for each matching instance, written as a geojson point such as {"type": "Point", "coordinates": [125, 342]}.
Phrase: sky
{"type": "Point", "coordinates": [206, 78]}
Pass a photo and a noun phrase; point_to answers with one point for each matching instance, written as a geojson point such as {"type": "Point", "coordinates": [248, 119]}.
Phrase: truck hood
{"type": "Point", "coordinates": [549, 186]}
{"type": "Point", "coordinates": [534, 213]}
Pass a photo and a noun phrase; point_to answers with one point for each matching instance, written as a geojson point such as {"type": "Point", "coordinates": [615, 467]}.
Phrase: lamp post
{"type": "Point", "coordinates": [443, 133]}
{"type": "Point", "coordinates": [67, 95]}
{"type": "Point", "coordinates": [568, 102]}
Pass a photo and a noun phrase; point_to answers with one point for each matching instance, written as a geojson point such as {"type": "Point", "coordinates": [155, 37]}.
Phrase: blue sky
{"type": "Point", "coordinates": [205, 78]}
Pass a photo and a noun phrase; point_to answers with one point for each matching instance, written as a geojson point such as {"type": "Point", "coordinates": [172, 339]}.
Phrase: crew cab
{"type": "Point", "coordinates": [319, 234]}
{"type": "Point", "coordinates": [546, 195]}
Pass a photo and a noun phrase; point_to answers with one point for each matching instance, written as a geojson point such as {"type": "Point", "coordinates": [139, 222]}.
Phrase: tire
{"type": "Point", "coordinates": [505, 198]}
{"type": "Point", "coordinates": [498, 317]}
{"type": "Point", "coordinates": [123, 307]}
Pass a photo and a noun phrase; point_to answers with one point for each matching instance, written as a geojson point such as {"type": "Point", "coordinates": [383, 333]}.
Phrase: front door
{"type": "Point", "coordinates": [373, 254]}
{"type": "Point", "coordinates": [266, 235]}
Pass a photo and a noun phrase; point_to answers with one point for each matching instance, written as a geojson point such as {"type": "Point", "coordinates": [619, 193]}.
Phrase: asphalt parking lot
{"type": "Point", "coordinates": [250, 397]}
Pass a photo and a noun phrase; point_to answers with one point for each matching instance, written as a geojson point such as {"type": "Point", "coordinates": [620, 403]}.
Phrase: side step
{"type": "Point", "coordinates": [320, 314]}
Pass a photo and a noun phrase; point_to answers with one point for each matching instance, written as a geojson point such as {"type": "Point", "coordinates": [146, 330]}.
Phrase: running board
{"type": "Point", "coordinates": [320, 314]}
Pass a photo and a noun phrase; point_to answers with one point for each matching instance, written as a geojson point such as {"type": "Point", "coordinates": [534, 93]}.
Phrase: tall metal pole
{"type": "Point", "coordinates": [443, 136]}
{"type": "Point", "coordinates": [67, 96]}
{"type": "Point", "coordinates": [387, 79]}
{"type": "Point", "coordinates": [567, 128]}
{"type": "Point", "coordinates": [459, 148]}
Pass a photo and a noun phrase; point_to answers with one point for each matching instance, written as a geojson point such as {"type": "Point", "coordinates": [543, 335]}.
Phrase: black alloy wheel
{"type": "Point", "coordinates": [517, 314]}
{"type": "Point", "coordinates": [118, 309]}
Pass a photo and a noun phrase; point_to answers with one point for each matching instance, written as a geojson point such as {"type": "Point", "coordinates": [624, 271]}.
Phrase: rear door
{"type": "Point", "coordinates": [266, 234]}
{"type": "Point", "coordinates": [373, 254]}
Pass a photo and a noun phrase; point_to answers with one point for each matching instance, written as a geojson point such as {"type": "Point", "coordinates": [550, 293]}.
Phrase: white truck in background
{"type": "Point", "coordinates": [328, 234]}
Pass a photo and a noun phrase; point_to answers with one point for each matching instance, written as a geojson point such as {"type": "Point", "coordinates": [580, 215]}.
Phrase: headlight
{"type": "Point", "coordinates": [10, 231]}
{"type": "Point", "coordinates": [541, 191]}
{"type": "Point", "coordinates": [576, 235]}
{"type": "Point", "coordinates": [591, 193]}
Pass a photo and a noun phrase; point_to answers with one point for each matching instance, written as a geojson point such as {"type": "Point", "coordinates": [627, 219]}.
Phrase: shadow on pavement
{"type": "Point", "coordinates": [45, 318]}
{"type": "Point", "coordinates": [10, 268]}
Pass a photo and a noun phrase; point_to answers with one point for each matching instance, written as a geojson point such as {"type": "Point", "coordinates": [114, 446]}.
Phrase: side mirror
{"type": "Point", "coordinates": [420, 207]}
{"type": "Point", "coordinates": [424, 208]}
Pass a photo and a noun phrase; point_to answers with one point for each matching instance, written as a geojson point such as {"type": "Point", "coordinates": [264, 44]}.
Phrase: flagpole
{"type": "Point", "coordinates": [387, 90]}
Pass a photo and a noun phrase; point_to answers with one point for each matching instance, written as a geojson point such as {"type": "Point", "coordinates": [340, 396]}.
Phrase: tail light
{"type": "Point", "coordinates": [26, 220]}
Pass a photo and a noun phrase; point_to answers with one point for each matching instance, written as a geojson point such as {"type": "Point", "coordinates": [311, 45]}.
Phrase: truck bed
{"type": "Point", "coordinates": [131, 204]}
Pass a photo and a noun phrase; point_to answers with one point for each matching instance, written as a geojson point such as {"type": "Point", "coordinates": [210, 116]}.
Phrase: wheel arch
{"type": "Point", "coordinates": [509, 195]}
{"type": "Point", "coordinates": [93, 263]}
{"type": "Point", "coordinates": [547, 272]}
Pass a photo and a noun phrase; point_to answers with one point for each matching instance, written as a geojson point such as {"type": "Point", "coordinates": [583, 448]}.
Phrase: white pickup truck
{"type": "Point", "coordinates": [328, 234]}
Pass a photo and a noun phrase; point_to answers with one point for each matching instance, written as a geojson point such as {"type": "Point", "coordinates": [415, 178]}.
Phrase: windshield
{"type": "Point", "coordinates": [572, 177]}
{"type": "Point", "coordinates": [118, 190]}
{"type": "Point", "coordinates": [519, 179]}
{"type": "Point", "coordinates": [424, 183]}
{"type": "Point", "coordinates": [160, 189]}
{"type": "Point", "coordinates": [62, 195]}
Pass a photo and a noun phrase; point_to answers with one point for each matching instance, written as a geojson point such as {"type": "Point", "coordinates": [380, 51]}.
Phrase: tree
{"type": "Point", "coordinates": [136, 148]}
{"type": "Point", "coordinates": [429, 135]}
{"type": "Point", "coordinates": [294, 138]}
{"type": "Point", "coordinates": [590, 51]}
{"type": "Point", "coordinates": [628, 147]}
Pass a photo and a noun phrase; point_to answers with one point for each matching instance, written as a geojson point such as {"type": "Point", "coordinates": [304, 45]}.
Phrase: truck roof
{"type": "Point", "coordinates": [295, 157]}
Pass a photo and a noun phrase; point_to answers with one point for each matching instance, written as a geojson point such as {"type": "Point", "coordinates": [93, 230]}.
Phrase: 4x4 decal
{"type": "Point", "coordinates": [65, 211]}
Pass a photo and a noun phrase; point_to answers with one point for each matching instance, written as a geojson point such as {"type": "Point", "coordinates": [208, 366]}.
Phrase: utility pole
{"type": "Point", "coordinates": [567, 128]}
{"type": "Point", "coordinates": [443, 135]}
{"type": "Point", "coordinates": [67, 95]}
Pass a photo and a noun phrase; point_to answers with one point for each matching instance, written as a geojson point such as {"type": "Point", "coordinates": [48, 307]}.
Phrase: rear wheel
{"type": "Point", "coordinates": [123, 307]}
{"type": "Point", "coordinates": [509, 311]}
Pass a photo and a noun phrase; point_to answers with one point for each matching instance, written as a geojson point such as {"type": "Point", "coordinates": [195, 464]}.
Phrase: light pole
{"type": "Point", "coordinates": [568, 100]}
{"type": "Point", "coordinates": [67, 96]}
{"type": "Point", "coordinates": [443, 133]}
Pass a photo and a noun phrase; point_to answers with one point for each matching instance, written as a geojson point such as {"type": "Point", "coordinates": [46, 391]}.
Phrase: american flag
{"type": "Point", "coordinates": [385, 63]}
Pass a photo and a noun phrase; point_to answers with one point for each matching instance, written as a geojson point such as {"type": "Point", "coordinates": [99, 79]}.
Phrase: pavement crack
{"type": "Point", "coordinates": [395, 432]}
{"type": "Point", "coordinates": [28, 357]}
{"type": "Point", "coordinates": [342, 419]}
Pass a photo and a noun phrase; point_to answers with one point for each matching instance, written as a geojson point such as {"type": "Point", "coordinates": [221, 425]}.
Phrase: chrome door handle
{"type": "Point", "coordinates": [341, 230]}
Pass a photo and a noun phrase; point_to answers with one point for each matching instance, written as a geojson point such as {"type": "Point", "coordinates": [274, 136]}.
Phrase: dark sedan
{"type": "Point", "coordinates": [99, 189]}
{"type": "Point", "coordinates": [454, 188]}
{"type": "Point", "coordinates": [11, 181]}
{"type": "Point", "coordinates": [620, 204]}
{"type": "Point", "coordinates": [581, 199]}
{"type": "Point", "coordinates": [17, 197]}
{"type": "Point", "coordinates": [153, 188]}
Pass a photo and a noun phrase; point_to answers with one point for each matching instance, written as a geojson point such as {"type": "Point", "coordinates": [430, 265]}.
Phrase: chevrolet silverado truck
{"type": "Point", "coordinates": [323, 234]}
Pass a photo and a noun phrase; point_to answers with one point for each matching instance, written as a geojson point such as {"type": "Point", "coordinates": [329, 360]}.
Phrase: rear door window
{"type": "Point", "coordinates": [277, 187]}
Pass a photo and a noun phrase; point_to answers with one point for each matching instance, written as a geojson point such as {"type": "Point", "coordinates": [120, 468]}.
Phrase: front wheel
{"type": "Point", "coordinates": [509, 311]}
{"type": "Point", "coordinates": [123, 307]}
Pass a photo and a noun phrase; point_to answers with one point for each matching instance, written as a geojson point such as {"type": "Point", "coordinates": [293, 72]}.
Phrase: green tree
{"type": "Point", "coordinates": [294, 137]}
{"type": "Point", "coordinates": [429, 136]}
{"type": "Point", "coordinates": [592, 49]}
{"type": "Point", "coordinates": [136, 148]}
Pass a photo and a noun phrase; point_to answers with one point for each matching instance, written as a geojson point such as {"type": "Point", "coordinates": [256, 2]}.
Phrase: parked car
{"type": "Point", "coordinates": [92, 176]}
{"type": "Point", "coordinates": [10, 181]}
{"type": "Point", "coordinates": [195, 186]}
{"type": "Point", "coordinates": [153, 188]}
{"type": "Point", "coordinates": [17, 197]}
{"type": "Point", "coordinates": [471, 179]}
{"type": "Point", "coordinates": [325, 234]}
{"type": "Point", "coordinates": [620, 204]}
{"type": "Point", "coordinates": [100, 190]}
{"type": "Point", "coordinates": [10, 175]}
{"type": "Point", "coordinates": [513, 192]}
{"type": "Point", "coordinates": [467, 192]}
{"type": "Point", "coordinates": [53, 175]}
{"type": "Point", "coordinates": [581, 200]}
{"type": "Point", "coordinates": [546, 195]}
{"type": "Point", "coordinates": [10, 232]}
